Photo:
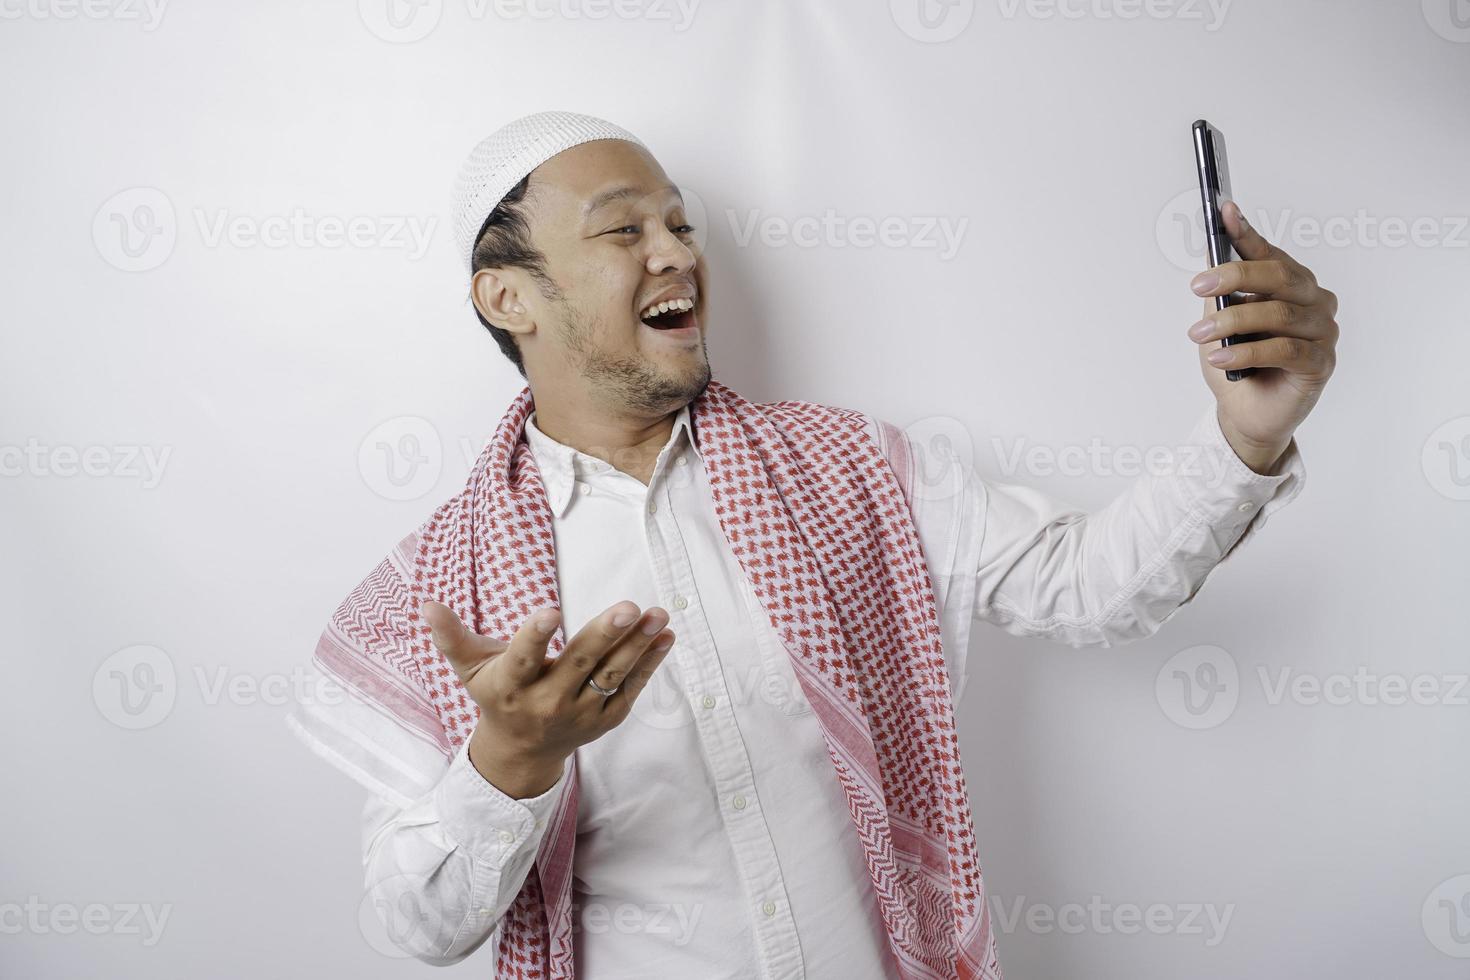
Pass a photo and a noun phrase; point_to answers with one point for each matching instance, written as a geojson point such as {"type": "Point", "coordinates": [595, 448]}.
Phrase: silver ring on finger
{"type": "Point", "coordinates": [600, 689]}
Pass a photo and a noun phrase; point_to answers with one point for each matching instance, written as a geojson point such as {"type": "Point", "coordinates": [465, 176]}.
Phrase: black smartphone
{"type": "Point", "coordinates": [1214, 186]}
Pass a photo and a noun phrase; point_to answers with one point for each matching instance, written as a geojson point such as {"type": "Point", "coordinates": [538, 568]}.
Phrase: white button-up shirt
{"type": "Point", "coordinates": [712, 837]}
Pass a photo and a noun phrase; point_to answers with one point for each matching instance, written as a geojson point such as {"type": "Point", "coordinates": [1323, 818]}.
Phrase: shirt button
{"type": "Point", "coordinates": [1246, 507]}
{"type": "Point", "coordinates": [707, 701]}
{"type": "Point", "coordinates": [739, 802]}
{"type": "Point", "coordinates": [583, 488]}
{"type": "Point", "coordinates": [652, 507]}
{"type": "Point", "coordinates": [681, 461]}
{"type": "Point", "coordinates": [769, 908]}
{"type": "Point", "coordinates": [680, 602]}
{"type": "Point", "coordinates": [506, 837]}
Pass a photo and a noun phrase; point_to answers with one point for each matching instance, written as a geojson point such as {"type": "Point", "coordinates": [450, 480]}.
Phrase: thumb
{"type": "Point", "coordinates": [465, 649]}
{"type": "Point", "coordinates": [1248, 242]}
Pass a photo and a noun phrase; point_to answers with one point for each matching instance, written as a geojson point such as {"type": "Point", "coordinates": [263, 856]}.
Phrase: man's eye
{"type": "Point", "coordinates": [634, 229]}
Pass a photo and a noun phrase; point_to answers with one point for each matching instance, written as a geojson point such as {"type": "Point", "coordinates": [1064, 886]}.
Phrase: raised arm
{"type": "Point", "coordinates": [1121, 573]}
{"type": "Point", "coordinates": [1118, 574]}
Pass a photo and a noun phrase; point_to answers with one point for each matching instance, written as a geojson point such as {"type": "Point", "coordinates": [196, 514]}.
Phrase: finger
{"type": "Point", "coordinates": [466, 650]}
{"type": "Point", "coordinates": [1273, 317]}
{"type": "Point", "coordinates": [1278, 278]}
{"type": "Point", "coordinates": [525, 659]}
{"type": "Point", "coordinates": [615, 666]}
{"type": "Point", "coordinates": [592, 641]}
{"type": "Point", "coordinates": [617, 706]}
{"type": "Point", "coordinates": [1305, 357]}
{"type": "Point", "coordinates": [1249, 244]}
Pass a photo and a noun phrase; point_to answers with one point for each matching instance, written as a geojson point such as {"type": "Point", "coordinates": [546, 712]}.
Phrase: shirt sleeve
{"type": "Point", "coordinates": [441, 871]}
{"type": "Point", "coordinates": [1118, 574]}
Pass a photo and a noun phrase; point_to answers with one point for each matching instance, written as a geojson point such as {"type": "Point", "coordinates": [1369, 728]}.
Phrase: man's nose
{"type": "Point", "coordinates": [668, 253]}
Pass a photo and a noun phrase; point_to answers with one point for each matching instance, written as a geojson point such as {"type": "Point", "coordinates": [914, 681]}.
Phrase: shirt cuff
{"type": "Point", "coordinates": [1230, 495]}
{"type": "Point", "coordinates": [492, 826]}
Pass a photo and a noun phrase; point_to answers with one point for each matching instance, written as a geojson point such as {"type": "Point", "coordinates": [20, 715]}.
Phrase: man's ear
{"type": "Point", "coordinates": [497, 296]}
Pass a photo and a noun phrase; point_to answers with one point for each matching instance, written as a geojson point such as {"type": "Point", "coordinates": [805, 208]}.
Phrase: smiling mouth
{"type": "Point", "coordinates": [672, 320]}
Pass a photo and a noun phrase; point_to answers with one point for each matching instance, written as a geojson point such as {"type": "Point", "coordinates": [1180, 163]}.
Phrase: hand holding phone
{"type": "Point", "coordinates": [1214, 188]}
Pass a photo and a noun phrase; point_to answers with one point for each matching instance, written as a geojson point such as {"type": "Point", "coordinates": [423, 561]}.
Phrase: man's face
{"type": "Point", "coordinates": [614, 234]}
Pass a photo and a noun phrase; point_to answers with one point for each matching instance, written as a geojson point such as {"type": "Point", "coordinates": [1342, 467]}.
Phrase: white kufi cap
{"type": "Point", "coordinates": [500, 160]}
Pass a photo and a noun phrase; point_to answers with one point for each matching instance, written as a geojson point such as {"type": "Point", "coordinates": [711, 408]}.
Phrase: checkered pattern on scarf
{"type": "Point", "coordinates": [811, 505]}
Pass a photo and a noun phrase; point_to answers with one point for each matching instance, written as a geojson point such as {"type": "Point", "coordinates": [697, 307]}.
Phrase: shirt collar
{"type": "Point", "coordinates": [561, 465]}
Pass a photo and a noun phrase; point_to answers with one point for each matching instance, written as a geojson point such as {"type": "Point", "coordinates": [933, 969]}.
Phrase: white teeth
{"type": "Point", "coordinates": [678, 305]}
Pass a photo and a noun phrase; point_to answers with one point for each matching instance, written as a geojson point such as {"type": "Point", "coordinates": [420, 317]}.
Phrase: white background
{"type": "Point", "coordinates": [1332, 833]}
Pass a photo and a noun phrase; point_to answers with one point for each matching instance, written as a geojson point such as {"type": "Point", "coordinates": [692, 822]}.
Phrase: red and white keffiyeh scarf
{"type": "Point", "coordinates": [820, 523]}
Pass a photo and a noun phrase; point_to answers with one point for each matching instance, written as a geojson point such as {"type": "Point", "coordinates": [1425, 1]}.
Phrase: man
{"type": "Point", "coordinates": [667, 690]}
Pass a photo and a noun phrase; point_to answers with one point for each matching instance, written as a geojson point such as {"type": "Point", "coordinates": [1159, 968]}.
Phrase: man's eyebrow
{"type": "Point", "coordinates": [618, 194]}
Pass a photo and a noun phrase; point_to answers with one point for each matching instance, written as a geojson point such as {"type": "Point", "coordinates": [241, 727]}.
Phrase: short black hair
{"type": "Point", "coordinates": [504, 242]}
